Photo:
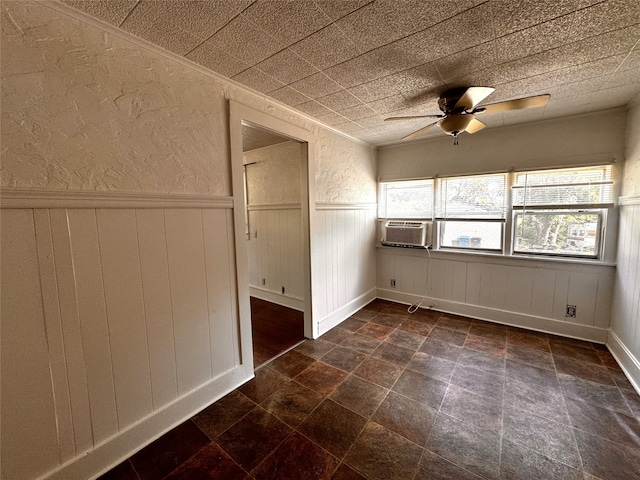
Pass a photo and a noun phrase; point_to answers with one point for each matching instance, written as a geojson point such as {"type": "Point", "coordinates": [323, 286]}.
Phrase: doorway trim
{"type": "Point", "coordinates": [240, 114]}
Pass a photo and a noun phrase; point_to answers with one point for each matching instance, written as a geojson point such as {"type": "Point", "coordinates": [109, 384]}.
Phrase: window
{"type": "Point", "coordinates": [471, 212]}
{"type": "Point", "coordinates": [556, 212]}
{"type": "Point", "coordinates": [560, 211]}
{"type": "Point", "coordinates": [407, 199]}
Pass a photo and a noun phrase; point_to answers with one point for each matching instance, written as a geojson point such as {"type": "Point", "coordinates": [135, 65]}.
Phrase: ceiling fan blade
{"type": "Point", "coordinates": [472, 97]}
{"type": "Point", "coordinates": [411, 117]}
{"type": "Point", "coordinates": [474, 126]}
{"type": "Point", "coordinates": [518, 103]}
{"type": "Point", "coordinates": [419, 132]}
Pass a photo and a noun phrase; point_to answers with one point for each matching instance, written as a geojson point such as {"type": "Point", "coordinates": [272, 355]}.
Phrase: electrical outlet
{"type": "Point", "coordinates": [571, 311]}
{"type": "Point", "coordinates": [393, 282]}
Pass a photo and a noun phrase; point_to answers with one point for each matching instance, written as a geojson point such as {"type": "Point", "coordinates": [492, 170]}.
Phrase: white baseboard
{"type": "Point", "coordinates": [334, 318]}
{"type": "Point", "coordinates": [120, 447]}
{"type": "Point", "coordinates": [290, 301]}
{"type": "Point", "coordinates": [531, 322]}
{"type": "Point", "coordinates": [628, 362]}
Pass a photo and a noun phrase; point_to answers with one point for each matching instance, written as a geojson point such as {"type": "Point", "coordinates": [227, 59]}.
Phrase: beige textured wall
{"type": "Point", "coordinates": [275, 175]}
{"type": "Point", "coordinates": [631, 181]}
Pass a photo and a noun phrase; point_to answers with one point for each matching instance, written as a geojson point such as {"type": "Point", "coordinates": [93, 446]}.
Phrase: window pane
{"type": "Point", "coordinates": [411, 199]}
{"type": "Point", "coordinates": [480, 196]}
{"type": "Point", "coordinates": [473, 235]}
{"type": "Point", "coordinates": [557, 233]}
{"type": "Point", "coordinates": [578, 186]}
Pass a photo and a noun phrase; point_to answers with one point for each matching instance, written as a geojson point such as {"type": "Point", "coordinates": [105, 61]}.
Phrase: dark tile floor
{"type": "Point", "coordinates": [388, 395]}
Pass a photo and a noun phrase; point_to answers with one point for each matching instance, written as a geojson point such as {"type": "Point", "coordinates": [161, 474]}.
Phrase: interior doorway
{"type": "Point", "coordinates": [272, 166]}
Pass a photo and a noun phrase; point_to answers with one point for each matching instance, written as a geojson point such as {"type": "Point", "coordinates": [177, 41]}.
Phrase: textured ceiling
{"type": "Point", "coordinates": [254, 138]}
{"type": "Point", "coordinates": [352, 63]}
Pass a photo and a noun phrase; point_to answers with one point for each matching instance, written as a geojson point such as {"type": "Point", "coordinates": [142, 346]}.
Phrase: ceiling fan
{"type": "Point", "coordinates": [459, 108]}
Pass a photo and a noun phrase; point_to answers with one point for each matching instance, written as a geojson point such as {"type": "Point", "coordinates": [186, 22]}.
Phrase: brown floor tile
{"type": "Point", "coordinates": [520, 463]}
{"type": "Point", "coordinates": [620, 379]}
{"type": "Point", "coordinates": [606, 459]}
{"type": "Point", "coordinates": [432, 367]}
{"type": "Point", "coordinates": [295, 459]}
{"type": "Point", "coordinates": [336, 335]}
{"type": "Point", "coordinates": [608, 424]}
{"type": "Point", "coordinates": [447, 335]}
{"type": "Point", "coordinates": [169, 451]}
{"type": "Point", "coordinates": [315, 348]}
{"type": "Point", "coordinates": [345, 472]}
{"type": "Point", "coordinates": [529, 339]}
{"type": "Point", "coordinates": [411, 341]}
{"type": "Point", "coordinates": [584, 370]}
{"type": "Point", "coordinates": [454, 322]}
{"type": "Point", "coordinates": [526, 397]}
{"type": "Point", "coordinates": [361, 343]}
{"type": "Point", "coordinates": [470, 447]}
{"type": "Point", "coordinates": [485, 361]}
{"type": "Point", "coordinates": [254, 437]}
{"type": "Point", "coordinates": [417, 326]}
{"type": "Point", "coordinates": [124, 471]}
{"type": "Point", "coordinates": [374, 330]}
{"type": "Point", "coordinates": [385, 306]}
{"type": "Point", "coordinates": [533, 375]}
{"type": "Point", "coordinates": [378, 371]}
{"type": "Point", "coordinates": [264, 384]}
{"type": "Point", "coordinates": [380, 454]}
{"type": "Point", "coordinates": [359, 395]}
{"type": "Point", "coordinates": [210, 462]}
{"type": "Point", "coordinates": [291, 363]}
{"type": "Point", "coordinates": [607, 360]}
{"type": "Point", "coordinates": [364, 315]}
{"type": "Point", "coordinates": [547, 437]}
{"type": "Point", "coordinates": [434, 467]}
{"type": "Point", "coordinates": [582, 354]}
{"type": "Point", "coordinates": [333, 427]}
{"type": "Point", "coordinates": [441, 349]}
{"type": "Point", "coordinates": [216, 418]}
{"type": "Point", "coordinates": [388, 320]}
{"type": "Point", "coordinates": [321, 377]}
{"type": "Point", "coordinates": [487, 345]}
{"type": "Point", "coordinates": [479, 381]}
{"type": "Point", "coordinates": [352, 324]}
{"type": "Point", "coordinates": [420, 388]}
{"type": "Point", "coordinates": [393, 354]}
{"type": "Point", "coordinates": [492, 331]}
{"type": "Point", "coordinates": [633, 401]}
{"type": "Point", "coordinates": [472, 408]}
{"type": "Point", "coordinates": [570, 341]}
{"type": "Point", "coordinates": [343, 358]}
{"type": "Point", "coordinates": [530, 356]}
{"type": "Point", "coordinates": [404, 416]}
{"type": "Point", "coordinates": [292, 404]}
{"type": "Point", "coordinates": [426, 315]}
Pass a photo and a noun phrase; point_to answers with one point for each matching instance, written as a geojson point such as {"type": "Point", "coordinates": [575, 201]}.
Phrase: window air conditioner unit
{"type": "Point", "coordinates": [407, 233]}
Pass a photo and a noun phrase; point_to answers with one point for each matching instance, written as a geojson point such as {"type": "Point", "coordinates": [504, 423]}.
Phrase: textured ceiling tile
{"type": "Point", "coordinates": [287, 67]}
{"type": "Point", "coordinates": [316, 86]}
{"type": "Point", "coordinates": [246, 41]}
{"type": "Point", "coordinates": [378, 23]}
{"type": "Point", "coordinates": [257, 80]}
{"type": "Point", "coordinates": [511, 16]}
{"type": "Point", "coordinates": [217, 59]}
{"type": "Point", "coordinates": [289, 96]}
{"type": "Point", "coordinates": [313, 108]}
{"type": "Point", "coordinates": [605, 17]}
{"type": "Point", "coordinates": [388, 104]}
{"type": "Point", "coordinates": [332, 118]}
{"type": "Point", "coordinates": [339, 100]}
{"type": "Point", "coordinates": [180, 26]}
{"type": "Point", "coordinates": [287, 20]}
{"type": "Point", "coordinates": [470, 60]}
{"type": "Point", "coordinates": [357, 112]}
{"type": "Point", "coordinates": [326, 47]}
{"type": "Point", "coordinates": [111, 11]}
{"type": "Point", "coordinates": [338, 9]}
{"type": "Point", "coordinates": [535, 39]}
{"type": "Point", "coordinates": [352, 128]}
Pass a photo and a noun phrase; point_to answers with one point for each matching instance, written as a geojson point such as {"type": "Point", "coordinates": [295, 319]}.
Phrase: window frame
{"type": "Point", "coordinates": [508, 237]}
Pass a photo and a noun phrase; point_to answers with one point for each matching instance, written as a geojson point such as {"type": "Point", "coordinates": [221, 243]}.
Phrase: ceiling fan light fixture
{"type": "Point", "coordinates": [456, 123]}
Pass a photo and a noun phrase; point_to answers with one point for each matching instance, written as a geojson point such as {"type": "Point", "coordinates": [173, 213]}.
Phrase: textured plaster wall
{"type": "Point", "coordinates": [631, 180]}
{"type": "Point", "coordinates": [345, 171]}
{"type": "Point", "coordinates": [274, 178]}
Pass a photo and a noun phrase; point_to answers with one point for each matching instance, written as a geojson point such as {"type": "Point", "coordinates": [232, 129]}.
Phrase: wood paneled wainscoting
{"type": "Point", "coordinates": [119, 320]}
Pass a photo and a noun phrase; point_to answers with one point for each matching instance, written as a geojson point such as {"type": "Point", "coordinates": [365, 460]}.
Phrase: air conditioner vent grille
{"type": "Point", "coordinates": [406, 233]}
